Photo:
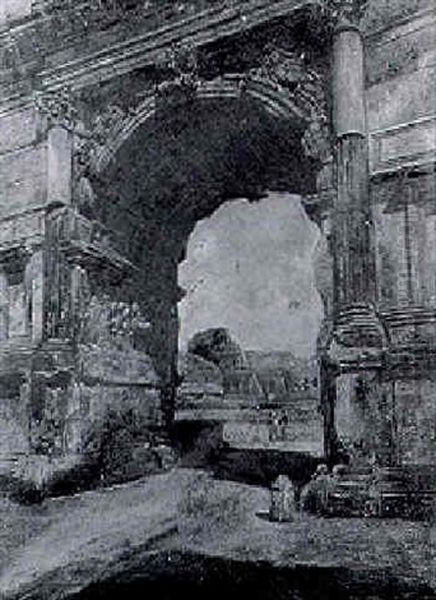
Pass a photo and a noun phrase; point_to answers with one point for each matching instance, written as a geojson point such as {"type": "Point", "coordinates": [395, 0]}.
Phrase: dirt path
{"type": "Point", "coordinates": [68, 543]}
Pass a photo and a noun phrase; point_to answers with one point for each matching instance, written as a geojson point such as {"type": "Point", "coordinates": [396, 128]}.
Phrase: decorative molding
{"type": "Point", "coordinates": [282, 83]}
{"type": "Point", "coordinates": [290, 75]}
{"type": "Point", "coordinates": [411, 185]}
{"type": "Point", "coordinates": [88, 243]}
{"type": "Point", "coordinates": [408, 145]}
{"type": "Point", "coordinates": [105, 320]}
{"type": "Point", "coordinates": [300, 97]}
{"type": "Point", "coordinates": [282, 68]}
{"type": "Point", "coordinates": [142, 45]}
{"type": "Point", "coordinates": [180, 67]}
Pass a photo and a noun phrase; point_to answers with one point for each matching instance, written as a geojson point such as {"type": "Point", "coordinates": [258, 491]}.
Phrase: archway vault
{"type": "Point", "coordinates": [282, 85]}
{"type": "Point", "coordinates": [271, 97]}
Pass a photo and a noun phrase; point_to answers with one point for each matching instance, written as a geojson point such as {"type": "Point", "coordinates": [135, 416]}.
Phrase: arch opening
{"type": "Point", "coordinates": [248, 328]}
{"type": "Point", "coordinates": [178, 168]}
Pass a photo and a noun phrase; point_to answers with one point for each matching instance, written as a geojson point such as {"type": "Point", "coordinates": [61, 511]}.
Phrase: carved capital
{"type": "Point", "coordinates": [179, 67]}
{"type": "Point", "coordinates": [57, 108]}
{"type": "Point", "coordinates": [281, 67]}
{"type": "Point", "coordinates": [289, 72]}
{"type": "Point", "coordinates": [89, 140]}
{"type": "Point", "coordinates": [345, 13]}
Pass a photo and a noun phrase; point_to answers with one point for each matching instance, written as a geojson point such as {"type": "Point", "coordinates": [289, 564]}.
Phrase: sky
{"type": "Point", "coordinates": [249, 268]}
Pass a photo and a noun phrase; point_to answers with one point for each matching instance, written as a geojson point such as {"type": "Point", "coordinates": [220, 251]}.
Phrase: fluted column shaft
{"type": "Point", "coordinates": [352, 229]}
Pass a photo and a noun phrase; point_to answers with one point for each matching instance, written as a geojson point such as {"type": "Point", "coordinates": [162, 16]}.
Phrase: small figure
{"type": "Point", "coordinates": [313, 497]}
{"type": "Point", "coordinates": [282, 506]}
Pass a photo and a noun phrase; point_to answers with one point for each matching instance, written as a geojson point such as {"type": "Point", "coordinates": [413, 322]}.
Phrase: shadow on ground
{"type": "Point", "coordinates": [171, 576]}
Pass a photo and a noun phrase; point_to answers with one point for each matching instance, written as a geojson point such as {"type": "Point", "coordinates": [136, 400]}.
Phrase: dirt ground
{"type": "Point", "coordinates": [67, 543]}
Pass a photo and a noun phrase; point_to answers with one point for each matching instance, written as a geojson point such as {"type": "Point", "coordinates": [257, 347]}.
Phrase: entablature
{"type": "Point", "coordinates": [89, 244]}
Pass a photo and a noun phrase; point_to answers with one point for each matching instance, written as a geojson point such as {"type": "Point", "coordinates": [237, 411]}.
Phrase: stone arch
{"type": "Point", "coordinates": [282, 84]}
{"type": "Point", "coordinates": [272, 100]}
{"type": "Point", "coordinates": [283, 87]}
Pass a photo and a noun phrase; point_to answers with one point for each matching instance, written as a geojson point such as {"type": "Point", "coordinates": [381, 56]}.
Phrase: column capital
{"type": "Point", "coordinates": [345, 14]}
{"type": "Point", "coordinates": [57, 108]}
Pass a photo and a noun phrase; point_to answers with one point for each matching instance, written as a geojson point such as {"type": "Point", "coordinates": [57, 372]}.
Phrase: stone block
{"type": "Point", "coordinates": [282, 506]}
{"type": "Point", "coordinates": [402, 99]}
{"type": "Point", "coordinates": [416, 415]}
{"type": "Point", "coordinates": [17, 129]}
{"type": "Point", "coordinates": [407, 144]}
{"type": "Point", "coordinates": [23, 181]}
{"type": "Point", "coordinates": [21, 228]}
{"type": "Point", "coordinates": [401, 49]}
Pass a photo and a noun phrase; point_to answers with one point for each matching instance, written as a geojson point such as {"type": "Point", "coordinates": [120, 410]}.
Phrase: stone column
{"type": "Point", "coordinates": [59, 162]}
{"type": "Point", "coordinates": [57, 119]}
{"type": "Point", "coordinates": [357, 341]}
{"type": "Point", "coordinates": [352, 227]}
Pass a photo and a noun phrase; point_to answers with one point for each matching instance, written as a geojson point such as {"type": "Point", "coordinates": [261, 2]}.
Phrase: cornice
{"type": "Point", "coordinates": [146, 49]}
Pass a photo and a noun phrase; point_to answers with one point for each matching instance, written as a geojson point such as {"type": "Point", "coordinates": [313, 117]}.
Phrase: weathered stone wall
{"type": "Point", "coordinates": [401, 101]}
{"type": "Point", "coordinates": [364, 415]}
{"type": "Point", "coordinates": [23, 194]}
{"type": "Point", "coordinates": [23, 164]}
{"type": "Point", "coordinates": [401, 91]}
{"type": "Point", "coordinates": [406, 251]}
{"type": "Point", "coordinates": [48, 262]}
{"type": "Point", "coordinates": [416, 410]}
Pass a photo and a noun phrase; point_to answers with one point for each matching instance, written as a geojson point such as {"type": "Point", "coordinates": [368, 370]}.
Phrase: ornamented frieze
{"type": "Point", "coordinates": [290, 75]}
{"type": "Point", "coordinates": [282, 68]}
{"type": "Point", "coordinates": [104, 320]}
{"type": "Point", "coordinates": [283, 79]}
